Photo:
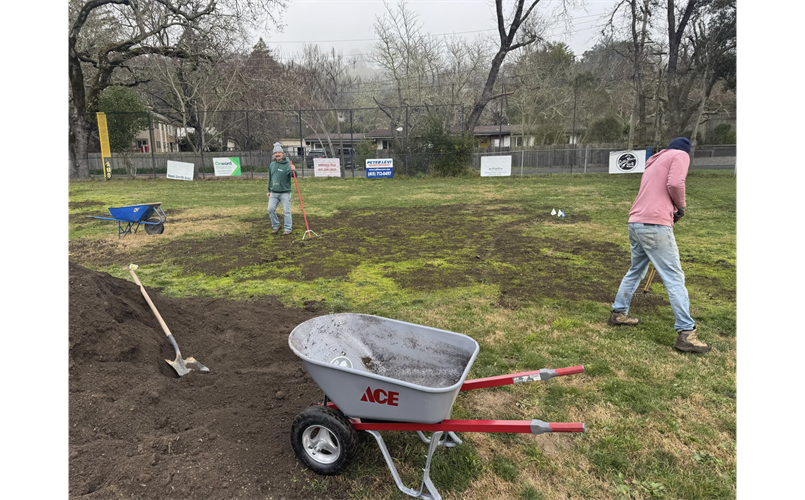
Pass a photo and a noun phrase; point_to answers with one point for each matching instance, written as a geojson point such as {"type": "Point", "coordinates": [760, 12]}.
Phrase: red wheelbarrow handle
{"type": "Point", "coordinates": [505, 426]}
{"type": "Point", "coordinates": [519, 378]}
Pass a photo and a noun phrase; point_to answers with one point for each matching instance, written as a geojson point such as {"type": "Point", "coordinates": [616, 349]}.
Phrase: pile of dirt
{"type": "Point", "coordinates": [139, 431]}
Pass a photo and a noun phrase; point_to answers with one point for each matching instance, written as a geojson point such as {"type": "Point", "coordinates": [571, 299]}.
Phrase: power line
{"type": "Point", "coordinates": [376, 39]}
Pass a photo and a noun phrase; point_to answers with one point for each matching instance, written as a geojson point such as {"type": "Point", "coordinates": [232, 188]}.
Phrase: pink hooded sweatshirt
{"type": "Point", "coordinates": [662, 188]}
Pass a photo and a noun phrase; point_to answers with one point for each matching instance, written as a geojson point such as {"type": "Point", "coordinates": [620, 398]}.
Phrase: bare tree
{"type": "Point", "coordinates": [521, 28]}
{"type": "Point", "coordinates": [637, 14]}
{"type": "Point", "coordinates": [322, 78]}
{"type": "Point", "coordinates": [106, 37]}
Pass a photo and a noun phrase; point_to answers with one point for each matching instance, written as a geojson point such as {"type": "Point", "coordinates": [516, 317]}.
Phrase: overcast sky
{"type": "Point", "coordinates": [347, 24]}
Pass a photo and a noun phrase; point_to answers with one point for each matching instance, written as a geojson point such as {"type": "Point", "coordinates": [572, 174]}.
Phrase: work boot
{"type": "Point", "coordinates": [620, 319]}
{"type": "Point", "coordinates": [687, 341]}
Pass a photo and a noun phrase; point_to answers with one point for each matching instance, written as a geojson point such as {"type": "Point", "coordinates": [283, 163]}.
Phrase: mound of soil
{"type": "Point", "coordinates": [137, 430]}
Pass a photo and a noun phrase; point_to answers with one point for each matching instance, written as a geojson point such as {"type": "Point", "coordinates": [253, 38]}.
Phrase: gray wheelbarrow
{"type": "Point", "coordinates": [380, 374]}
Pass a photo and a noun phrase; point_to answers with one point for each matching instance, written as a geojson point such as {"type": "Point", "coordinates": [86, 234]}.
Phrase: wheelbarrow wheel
{"type": "Point", "coordinates": [155, 228]}
{"type": "Point", "coordinates": [324, 440]}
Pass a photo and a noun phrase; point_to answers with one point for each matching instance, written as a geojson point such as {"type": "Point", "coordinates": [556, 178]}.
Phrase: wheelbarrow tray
{"type": "Point", "coordinates": [386, 369]}
{"type": "Point", "coordinates": [134, 213]}
{"type": "Point", "coordinates": [137, 214]}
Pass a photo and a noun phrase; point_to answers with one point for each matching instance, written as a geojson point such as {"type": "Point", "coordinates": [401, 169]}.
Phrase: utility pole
{"type": "Point", "coordinates": [573, 133]}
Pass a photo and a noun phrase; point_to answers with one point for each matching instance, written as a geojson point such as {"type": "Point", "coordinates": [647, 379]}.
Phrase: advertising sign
{"type": "Point", "coordinates": [327, 167]}
{"type": "Point", "coordinates": [627, 162]}
{"type": "Point", "coordinates": [106, 154]}
{"type": "Point", "coordinates": [378, 168]}
{"type": "Point", "coordinates": [496, 166]}
{"type": "Point", "coordinates": [180, 171]}
{"type": "Point", "coordinates": [226, 166]}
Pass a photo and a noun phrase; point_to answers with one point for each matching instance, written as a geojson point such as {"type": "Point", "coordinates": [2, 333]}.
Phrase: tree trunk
{"type": "Point", "coordinates": [80, 129]}
{"type": "Point", "coordinates": [487, 94]}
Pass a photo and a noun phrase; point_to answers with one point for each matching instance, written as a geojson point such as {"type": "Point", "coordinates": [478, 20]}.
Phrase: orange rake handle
{"type": "Point", "coordinates": [293, 171]}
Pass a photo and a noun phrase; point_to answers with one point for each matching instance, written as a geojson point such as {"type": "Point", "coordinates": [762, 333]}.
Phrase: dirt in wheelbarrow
{"type": "Point", "coordinates": [137, 430]}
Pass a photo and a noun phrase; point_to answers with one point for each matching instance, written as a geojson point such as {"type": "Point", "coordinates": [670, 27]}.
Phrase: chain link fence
{"type": "Point", "coordinates": [421, 140]}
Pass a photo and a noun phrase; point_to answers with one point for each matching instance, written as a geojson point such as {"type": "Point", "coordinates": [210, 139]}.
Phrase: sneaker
{"type": "Point", "coordinates": [275, 231]}
{"type": "Point", "coordinates": [620, 319]}
{"type": "Point", "coordinates": [688, 341]}
{"type": "Point", "coordinates": [286, 233]}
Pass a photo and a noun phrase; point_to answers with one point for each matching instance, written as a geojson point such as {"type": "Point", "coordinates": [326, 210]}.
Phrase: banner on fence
{"type": "Point", "coordinates": [226, 166]}
{"type": "Point", "coordinates": [496, 166]}
{"type": "Point", "coordinates": [327, 167]}
{"type": "Point", "coordinates": [180, 170]}
{"type": "Point", "coordinates": [378, 168]}
{"type": "Point", "coordinates": [106, 151]}
{"type": "Point", "coordinates": [627, 162]}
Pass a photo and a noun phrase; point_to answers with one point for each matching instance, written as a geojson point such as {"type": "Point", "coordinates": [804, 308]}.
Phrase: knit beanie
{"type": "Point", "coordinates": [680, 143]}
{"type": "Point", "coordinates": [278, 147]}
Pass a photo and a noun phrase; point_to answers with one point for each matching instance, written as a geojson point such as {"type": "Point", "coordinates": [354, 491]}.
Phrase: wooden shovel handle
{"type": "Point", "coordinates": [151, 304]}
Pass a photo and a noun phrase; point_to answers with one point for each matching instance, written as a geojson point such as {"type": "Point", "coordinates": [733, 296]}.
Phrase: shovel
{"type": "Point", "coordinates": [647, 295]}
{"type": "Point", "coordinates": [178, 364]}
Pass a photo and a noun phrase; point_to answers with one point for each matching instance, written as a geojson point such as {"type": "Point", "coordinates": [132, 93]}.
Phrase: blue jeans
{"type": "Point", "coordinates": [656, 244]}
{"type": "Point", "coordinates": [273, 200]}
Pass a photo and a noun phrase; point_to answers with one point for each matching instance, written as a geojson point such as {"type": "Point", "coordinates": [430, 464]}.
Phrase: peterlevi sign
{"type": "Point", "coordinates": [327, 167]}
{"type": "Point", "coordinates": [496, 166]}
{"type": "Point", "coordinates": [180, 170]}
{"type": "Point", "coordinates": [377, 168]}
{"type": "Point", "coordinates": [627, 162]}
{"type": "Point", "coordinates": [226, 166]}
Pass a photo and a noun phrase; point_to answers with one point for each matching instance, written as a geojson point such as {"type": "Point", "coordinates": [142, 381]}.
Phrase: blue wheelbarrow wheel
{"type": "Point", "coordinates": [324, 440]}
{"type": "Point", "coordinates": [155, 228]}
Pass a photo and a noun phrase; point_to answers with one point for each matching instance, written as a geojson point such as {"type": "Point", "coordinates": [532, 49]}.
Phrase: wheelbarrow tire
{"type": "Point", "coordinates": [155, 228]}
{"type": "Point", "coordinates": [324, 440]}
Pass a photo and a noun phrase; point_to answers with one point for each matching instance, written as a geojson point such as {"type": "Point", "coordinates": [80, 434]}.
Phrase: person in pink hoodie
{"type": "Point", "coordinates": [659, 204]}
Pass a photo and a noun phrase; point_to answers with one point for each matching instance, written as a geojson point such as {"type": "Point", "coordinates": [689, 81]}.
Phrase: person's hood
{"type": "Point", "coordinates": [283, 161]}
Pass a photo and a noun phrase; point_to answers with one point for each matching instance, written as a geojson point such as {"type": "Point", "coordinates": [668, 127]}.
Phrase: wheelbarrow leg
{"type": "Point", "coordinates": [432, 493]}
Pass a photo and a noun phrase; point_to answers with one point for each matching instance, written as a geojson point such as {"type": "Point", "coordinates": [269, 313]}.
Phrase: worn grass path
{"type": "Point", "coordinates": [482, 257]}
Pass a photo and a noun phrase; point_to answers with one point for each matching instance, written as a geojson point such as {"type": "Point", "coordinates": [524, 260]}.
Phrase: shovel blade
{"type": "Point", "coordinates": [179, 366]}
{"type": "Point", "coordinates": [199, 366]}
{"type": "Point", "coordinates": [182, 368]}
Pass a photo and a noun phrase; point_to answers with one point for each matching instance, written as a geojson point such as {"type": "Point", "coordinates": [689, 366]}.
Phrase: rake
{"type": "Point", "coordinates": [309, 233]}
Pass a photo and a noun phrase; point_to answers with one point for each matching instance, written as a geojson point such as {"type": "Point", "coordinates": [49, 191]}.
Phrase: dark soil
{"type": "Point", "coordinates": [474, 239]}
{"type": "Point", "coordinates": [139, 431]}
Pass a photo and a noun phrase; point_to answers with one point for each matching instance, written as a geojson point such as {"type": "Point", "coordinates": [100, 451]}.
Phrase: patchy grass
{"type": "Point", "coordinates": [482, 257]}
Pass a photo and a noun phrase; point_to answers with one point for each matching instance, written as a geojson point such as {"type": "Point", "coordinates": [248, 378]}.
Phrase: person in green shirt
{"type": "Point", "coordinates": [279, 189]}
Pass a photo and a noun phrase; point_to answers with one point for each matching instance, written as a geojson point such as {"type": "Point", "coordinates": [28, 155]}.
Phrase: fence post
{"type": "Point", "coordinates": [151, 135]}
{"type": "Point", "coordinates": [351, 143]}
{"type": "Point", "coordinates": [201, 143]}
{"type": "Point", "coordinates": [586, 154]}
{"type": "Point", "coordinates": [302, 144]}
{"type": "Point", "coordinates": [406, 140]}
{"type": "Point", "coordinates": [462, 120]}
{"type": "Point", "coordinates": [249, 144]}
{"type": "Point", "coordinates": [522, 154]}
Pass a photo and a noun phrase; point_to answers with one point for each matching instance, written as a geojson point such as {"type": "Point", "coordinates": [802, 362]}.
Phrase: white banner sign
{"type": "Point", "coordinates": [496, 166]}
{"type": "Point", "coordinates": [327, 167]}
{"type": "Point", "coordinates": [180, 171]}
{"type": "Point", "coordinates": [226, 166]}
{"type": "Point", "coordinates": [627, 162]}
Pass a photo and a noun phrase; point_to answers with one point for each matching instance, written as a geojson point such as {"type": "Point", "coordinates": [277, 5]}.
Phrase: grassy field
{"type": "Point", "coordinates": [483, 257]}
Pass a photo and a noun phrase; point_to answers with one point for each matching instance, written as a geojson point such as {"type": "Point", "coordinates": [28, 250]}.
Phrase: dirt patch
{"type": "Point", "coordinates": [75, 205]}
{"type": "Point", "coordinates": [456, 246]}
{"type": "Point", "coordinates": [136, 430]}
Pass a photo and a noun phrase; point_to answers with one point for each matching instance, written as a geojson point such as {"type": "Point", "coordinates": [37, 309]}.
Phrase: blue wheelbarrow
{"type": "Point", "coordinates": [149, 215]}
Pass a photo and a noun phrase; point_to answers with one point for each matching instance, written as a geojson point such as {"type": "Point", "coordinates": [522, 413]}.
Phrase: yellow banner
{"type": "Point", "coordinates": [106, 154]}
